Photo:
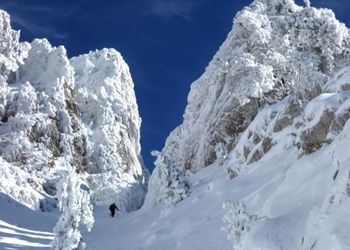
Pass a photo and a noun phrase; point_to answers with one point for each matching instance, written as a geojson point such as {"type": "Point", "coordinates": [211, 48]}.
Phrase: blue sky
{"type": "Point", "coordinates": [166, 43]}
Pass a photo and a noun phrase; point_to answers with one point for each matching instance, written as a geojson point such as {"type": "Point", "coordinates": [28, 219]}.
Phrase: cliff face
{"type": "Point", "coordinates": [275, 50]}
{"type": "Point", "coordinates": [53, 107]}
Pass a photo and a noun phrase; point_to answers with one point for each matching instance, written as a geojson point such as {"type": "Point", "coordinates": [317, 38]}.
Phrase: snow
{"type": "Point", "coordinates": [54, 109]}
{"type": "Point", "coordinates": [260, 162]}
{"type": "Point", "coordinates": [288, 196]}
{"type": "Point", "coordinates": [307, 3]}
{"type": "Point", "coordinates": [112, 126]}
{"type": "Point", "coordinates": [69, 134]}
{"type": "Point", "coordinates": [284, 194]}
{"type": "Point", "coordinates": [168, 183]}
{"type": "Point", "coordinates": [22, 228]}
{"type": "Point", "coordinates": [275, 48]}
{"type": "Point", "coordinates": [75, 204]}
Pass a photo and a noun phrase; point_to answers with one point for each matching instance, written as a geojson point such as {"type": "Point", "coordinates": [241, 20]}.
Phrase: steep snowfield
{"type": "Point", "coordinates": [294, 199]}
{"type": "Point", "coordinates": [58, 113]}
{"type": "Point", "coordinates": [298, 202]}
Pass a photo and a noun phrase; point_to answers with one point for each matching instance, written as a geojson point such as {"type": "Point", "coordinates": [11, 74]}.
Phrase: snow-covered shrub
{"type": "Point", "coordinates": [237, 221]}
{"type": "Point", "coordinates": [76, 210]}
{"type": "Point", "coordinates": [168, 183]}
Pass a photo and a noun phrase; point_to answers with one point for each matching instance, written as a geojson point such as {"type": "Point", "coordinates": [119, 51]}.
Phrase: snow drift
{"type": "Point", "coordinates": [83, 108]}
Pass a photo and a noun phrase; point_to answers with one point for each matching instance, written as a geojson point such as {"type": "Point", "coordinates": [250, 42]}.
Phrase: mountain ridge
{"type": "Point", "coordinates": [275, 49]}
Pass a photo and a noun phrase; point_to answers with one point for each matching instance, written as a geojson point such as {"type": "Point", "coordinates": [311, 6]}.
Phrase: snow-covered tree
{"type": "Point", "coordinates": [178, 186]}
{"type": "Point", "coordinates": [236, 221]}
{"type": "Point", "coordinates": [76, 210]}
{"type": "Point", "coordinates": [168, 183]}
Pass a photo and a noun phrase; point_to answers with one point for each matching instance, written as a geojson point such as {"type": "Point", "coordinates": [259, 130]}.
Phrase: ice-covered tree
{"type": "Point", "coordinates": [76, 210]}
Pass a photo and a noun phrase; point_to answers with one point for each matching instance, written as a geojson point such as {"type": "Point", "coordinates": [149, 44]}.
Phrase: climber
{"type": "Point", "coordinates": [112, 208]}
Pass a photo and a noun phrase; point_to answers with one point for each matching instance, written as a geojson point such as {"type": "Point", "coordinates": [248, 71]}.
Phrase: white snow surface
{"type": "Point", "coordinates": [288, 199]}
{"type": "Point", "coordinates": [53, 108]}
{"type": "Point", "coordinates": [275, 178]}
{"type": "Point", "coordinates": [295, 201]}
{"type": "Point", "coordinates": [23, 228]}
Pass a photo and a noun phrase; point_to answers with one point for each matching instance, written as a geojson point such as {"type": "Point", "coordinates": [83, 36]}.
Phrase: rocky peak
{"type": "Point", "coordinates": [58, 112]}
{"type": "Point", "coordinates": [276, 51]}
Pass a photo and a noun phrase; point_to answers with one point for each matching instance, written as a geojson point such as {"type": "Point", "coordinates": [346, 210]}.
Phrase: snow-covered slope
{"type": "Point", "coordinates": [294, 202]}
{"type": "Point", "coordinates": [295, 196]}
{"type": "Point", "coordinates": [60, 113]}
{"type": "Point", "coordinates": [23, 228]}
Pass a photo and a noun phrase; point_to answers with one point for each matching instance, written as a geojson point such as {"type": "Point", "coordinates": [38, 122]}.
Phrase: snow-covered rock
{"type": "Point", "coordinates": [276, 50]}
{"type": "Point", "coordinates": [270, 119]}
{"type": "Point", "coordinates": [81, 109]}
{"type": "Point", "coordinates": [277, 149]}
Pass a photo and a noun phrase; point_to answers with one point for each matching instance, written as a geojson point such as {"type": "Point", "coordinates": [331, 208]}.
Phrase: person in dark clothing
{"type": "Point", "coordinates": [112, 208]}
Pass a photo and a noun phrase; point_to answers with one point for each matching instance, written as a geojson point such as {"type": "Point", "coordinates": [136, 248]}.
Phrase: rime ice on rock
{"type": "Point", "coordinates": [275, 49]}
{"type": "Point", "coordinates": [110, 119]}
{"type": "Point", "coordinates": [83, 109]}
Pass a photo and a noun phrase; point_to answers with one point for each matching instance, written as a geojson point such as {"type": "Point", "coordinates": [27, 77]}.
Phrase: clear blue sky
{"type": "Point", "coordinates": [166, 43]}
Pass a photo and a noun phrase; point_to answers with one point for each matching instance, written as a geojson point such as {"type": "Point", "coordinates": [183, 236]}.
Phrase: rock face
{"type": "Point", "coordinates": [52, 106]}
{"type": "Point", "coordinates": [277, 52]}
{"type": "Point", "coordinates": [278, 144]}
{"type": "Point", "coordinates": [275, 48]}
{"type": "Point", "coordinates": [110, 119]}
